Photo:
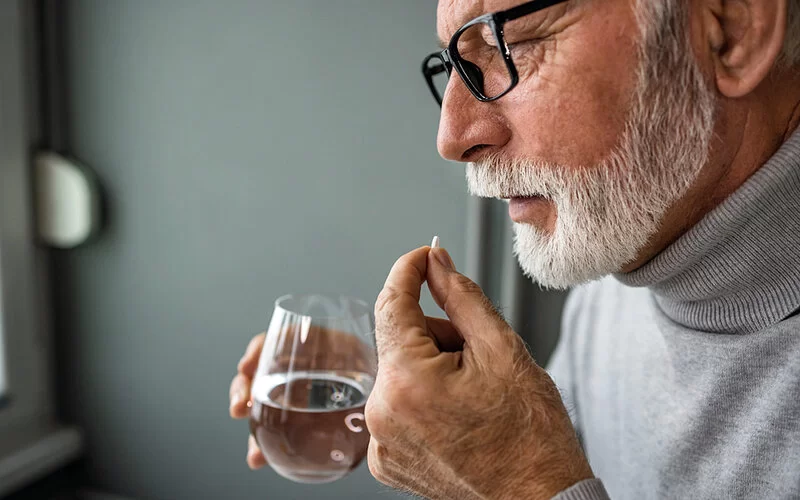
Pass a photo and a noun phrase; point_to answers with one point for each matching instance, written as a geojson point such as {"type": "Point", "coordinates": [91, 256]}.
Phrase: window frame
{"type": "Point", "coordinates": [32, 443]}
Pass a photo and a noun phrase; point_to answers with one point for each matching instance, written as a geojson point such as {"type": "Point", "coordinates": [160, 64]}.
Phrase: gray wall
{"type": "Point", "coordinates": [248, 149]}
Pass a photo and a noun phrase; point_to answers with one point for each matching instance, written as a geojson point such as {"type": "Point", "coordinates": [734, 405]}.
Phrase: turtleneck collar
{"type": "Point", "coordinates": [738, 269]}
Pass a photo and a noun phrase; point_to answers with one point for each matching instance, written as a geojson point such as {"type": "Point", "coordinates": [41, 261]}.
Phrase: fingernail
{"type": "Point", "coordinates": [444, 259]}
{"type": "Point", "coordinates": [435, 242]}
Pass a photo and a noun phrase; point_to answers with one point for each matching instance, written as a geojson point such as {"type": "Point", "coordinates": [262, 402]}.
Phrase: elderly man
{"type": "Point", "coordinates": [650, 140]}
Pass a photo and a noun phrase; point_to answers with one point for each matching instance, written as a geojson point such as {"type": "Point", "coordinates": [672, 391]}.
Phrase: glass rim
{"type": "Point", "coordinates": [348, 298]}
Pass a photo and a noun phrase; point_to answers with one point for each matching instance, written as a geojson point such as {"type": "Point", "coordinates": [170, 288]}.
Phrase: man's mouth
{"type": "Point", "coordinates": [529, 209]}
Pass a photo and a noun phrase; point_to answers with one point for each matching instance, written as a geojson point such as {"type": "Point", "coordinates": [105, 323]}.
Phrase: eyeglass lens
{"type": "Point", "coordinates": [483, 62]}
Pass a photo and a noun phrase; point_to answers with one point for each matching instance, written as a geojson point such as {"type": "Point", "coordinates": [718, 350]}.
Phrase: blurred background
{"type": "Point", "coordinates": [243, 149]}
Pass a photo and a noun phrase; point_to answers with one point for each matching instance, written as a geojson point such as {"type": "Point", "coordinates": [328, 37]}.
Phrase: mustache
{"type": "Point", "coordinates": [496, 176]}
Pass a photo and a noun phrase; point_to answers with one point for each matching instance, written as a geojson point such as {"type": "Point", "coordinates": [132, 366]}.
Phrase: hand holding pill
{"type": "Point", "coordinates": [459, 408]}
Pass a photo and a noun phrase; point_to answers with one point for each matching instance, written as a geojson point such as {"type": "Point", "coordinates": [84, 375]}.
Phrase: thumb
{"type": "Point", "coordinates": [470, 311]}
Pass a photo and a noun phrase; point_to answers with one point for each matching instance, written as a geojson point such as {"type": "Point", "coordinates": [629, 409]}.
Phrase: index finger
{"type": "Point", "coordinates": [399, 319]}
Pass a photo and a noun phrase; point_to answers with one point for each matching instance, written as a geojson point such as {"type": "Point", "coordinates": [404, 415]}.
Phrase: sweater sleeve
{"type": "Point", "coordinates": [588, 489]}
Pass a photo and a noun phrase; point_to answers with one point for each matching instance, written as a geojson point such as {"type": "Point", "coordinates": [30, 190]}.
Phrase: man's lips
{"type": "Point", "coordinates": [530, 209]}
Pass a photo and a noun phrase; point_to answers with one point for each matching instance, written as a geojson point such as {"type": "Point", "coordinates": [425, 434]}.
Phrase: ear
{"type": "Point", "coordinates": [746, 38]}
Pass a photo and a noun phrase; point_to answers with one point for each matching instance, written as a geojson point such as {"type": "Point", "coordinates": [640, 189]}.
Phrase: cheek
{"type": "Point", "coordinates": [572, 109]}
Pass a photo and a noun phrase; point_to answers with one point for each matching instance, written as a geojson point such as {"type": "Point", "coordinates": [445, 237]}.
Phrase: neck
{"type": "Point", "coordinates": [737, 270]}
{"type": "Point", "coordinates": [749, 131]}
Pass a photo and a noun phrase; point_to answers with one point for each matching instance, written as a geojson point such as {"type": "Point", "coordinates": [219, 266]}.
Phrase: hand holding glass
{"type": "Point", "coordinates": [315, 373]}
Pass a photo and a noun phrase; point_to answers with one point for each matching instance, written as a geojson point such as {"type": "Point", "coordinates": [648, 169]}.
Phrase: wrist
{"type": "Point", "coordinates": [545, 482]}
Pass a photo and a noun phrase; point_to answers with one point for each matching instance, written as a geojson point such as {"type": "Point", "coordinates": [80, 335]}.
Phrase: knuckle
{"type": "Point", "coordinates": [376, 462]}
{"type": "Point", "coordinates": [376, 419]}
{"type": "Point", "coordinates": [385, 300]}
{"type": "Point", "coordinates": [376, 470]}
{"type": "Point", "coordinates": [399, 399]}
{"type": "Point", "coordinates": [465, 294]}
{"type": "Point", "coordinates": [393, 401]}
{"type": "Point", "coordinates": [386, 408]}
{"type": "Point", "coordinates": [372, 415]}
{"type": "Point", "coordinates": [464, 285]}
{"type": "Point", "coordinates": [403, 261]}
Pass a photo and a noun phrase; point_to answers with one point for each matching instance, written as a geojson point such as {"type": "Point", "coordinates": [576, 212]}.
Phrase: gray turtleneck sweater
{"type": "Point", "coordinates": [683, 377]}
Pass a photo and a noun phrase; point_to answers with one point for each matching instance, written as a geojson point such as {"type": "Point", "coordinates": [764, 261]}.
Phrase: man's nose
{"type": "Point", "coordinates": [467, 125]}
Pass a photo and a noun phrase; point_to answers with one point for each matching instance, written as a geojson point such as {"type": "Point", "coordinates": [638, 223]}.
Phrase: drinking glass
{"type": "Point", "coordinates": [315, 373]}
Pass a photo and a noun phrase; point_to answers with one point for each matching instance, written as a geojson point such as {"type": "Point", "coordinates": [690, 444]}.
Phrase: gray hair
{"type": "Point", "coordinates": [656, 12]}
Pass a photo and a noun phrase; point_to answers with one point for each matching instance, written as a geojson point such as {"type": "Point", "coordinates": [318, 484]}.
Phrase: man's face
{"type": "Point", "coordinates": [577, 68]}
{"type": "Point", "coordinates": [596, 142]}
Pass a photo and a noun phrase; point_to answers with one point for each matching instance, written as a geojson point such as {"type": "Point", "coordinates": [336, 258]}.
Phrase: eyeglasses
{"type": "Point", "coordinates": [486, 69]}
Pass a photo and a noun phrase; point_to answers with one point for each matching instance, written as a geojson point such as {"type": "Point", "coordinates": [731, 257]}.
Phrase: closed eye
{"type": "Point", "coordinates": [525, 43]}
{"type": "Point", "coordinates": [524, 49]}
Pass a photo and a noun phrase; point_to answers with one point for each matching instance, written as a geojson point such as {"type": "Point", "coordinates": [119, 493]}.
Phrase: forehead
{"type": "Point", "coordinates": [452, 14]}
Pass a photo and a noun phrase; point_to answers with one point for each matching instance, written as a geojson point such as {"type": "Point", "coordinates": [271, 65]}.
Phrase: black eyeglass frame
{"type": "Point", "coordinates": [450, 57]}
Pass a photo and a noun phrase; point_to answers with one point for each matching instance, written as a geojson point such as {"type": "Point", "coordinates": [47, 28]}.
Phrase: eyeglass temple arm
{"type": "Point", "coordinates": [441, 66]}
{"type": "Point", "coordinates": [525, 9]}
{"type": "Point", "coordinates": [435, 70]}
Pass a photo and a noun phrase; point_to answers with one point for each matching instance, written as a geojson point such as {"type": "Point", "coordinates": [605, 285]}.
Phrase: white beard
{"type": "Point", "coordinates": [608, 212]}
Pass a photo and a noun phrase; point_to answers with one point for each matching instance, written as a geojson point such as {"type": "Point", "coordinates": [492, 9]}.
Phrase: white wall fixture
{"type": "Point", "coordinates": [67, 201]}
